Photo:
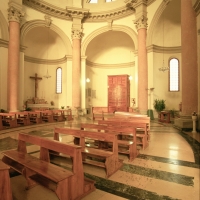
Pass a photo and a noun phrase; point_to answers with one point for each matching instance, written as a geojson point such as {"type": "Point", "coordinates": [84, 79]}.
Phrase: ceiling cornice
{"type": "Point", "coordinates": [160, 49]}
{"type": "Point", "coordinates": [45, 61]}
{"type": "Point", "coordinates": [66, 14]}
{"type": "Point", "coordinates": [108, 66]}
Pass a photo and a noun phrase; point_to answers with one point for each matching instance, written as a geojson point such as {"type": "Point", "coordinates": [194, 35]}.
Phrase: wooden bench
{"type": "Point", "coordinates": [136, 119]}
{"type": "Point", "coordinates": [47, 116]}
{"type": "Point", "coordinates": [123, 137]}
{"type": "Point", "coordinates": [22, 118]}
{"type": "Point", "coordinates": [101, 158]}
{"type": "Point", "coordinates": [35, 117]}
{"type": "Point", "coordinates": [99, 112]}
{"type": "Point", "coordinates": [67, 184]}
{"type": "Point", "coordinates": [9, 120]}
{"type": "Point", "coordinates": [67, 114]}
{"type": "Point", "coordinates": [141, 129]}
{"type": "Point", "coordinates": [5, 186]}
{"type": "Point", "coordinates": [128, 114]}
{"type": "Point", "coordinates": [58, 115]}
{"type": "Point", "coordinates": [1, 123]}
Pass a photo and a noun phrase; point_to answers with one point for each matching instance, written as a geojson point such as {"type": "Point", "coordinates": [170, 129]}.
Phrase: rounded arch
{"type": "Point", "coordinates": [3, 27]}
{"type": "Point", "coordinates": [35, 23]}
{"type": "Point", "coordinates": [155, 21]}
{"type": "Point", "coordinates": [129, 31]}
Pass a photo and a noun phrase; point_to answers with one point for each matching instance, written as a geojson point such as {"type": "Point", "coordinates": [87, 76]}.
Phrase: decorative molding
{"type": "Point", "coordinates": [48, 21]}
{"type": "Point", "coordinates": [159, 49]}
{"type": "Point", "coordinates": [3, 43]}
{"type": "Point", "coordinates": [46, 61]}
{"type": "Point", "coordinates": [141, 22]}
{"type": "Point", "coordinates": [15, 12]}
{"type": "Point", "coordinates": [77, 12]}
{"type": "Point", "coordinates": [199, 32]}
{"type": "Point", "coordinates": [77, 34]}
{"type": "Point", "coordinates": [108, 66]}
{"type": "Point", "coordinates": [67, 13]}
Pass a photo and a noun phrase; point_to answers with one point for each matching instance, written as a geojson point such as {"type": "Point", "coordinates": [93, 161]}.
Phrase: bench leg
{"type": "Point", "coordinates": [63, 191]}
{"type": "Point", "coordinates": [27, 173]}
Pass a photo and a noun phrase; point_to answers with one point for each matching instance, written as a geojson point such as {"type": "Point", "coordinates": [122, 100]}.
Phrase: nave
{"type": "Point", "coordinates": [167, 169]}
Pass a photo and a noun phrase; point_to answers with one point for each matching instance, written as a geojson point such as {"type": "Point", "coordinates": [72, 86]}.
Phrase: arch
{"type": "Point", "coordinates": [35, 23]}
{"type": "Point", "coordinates": [3, 27]}
{"type": "Point", "coordinates": [126, 29]}
{"type": "Point", "coordinates": [154, 21]}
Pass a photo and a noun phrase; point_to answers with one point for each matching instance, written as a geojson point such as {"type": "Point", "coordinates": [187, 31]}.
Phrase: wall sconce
{"type": "Point", "coordinates": [130, 78]}
{"type": "Point", "coordinates": [87, 80]}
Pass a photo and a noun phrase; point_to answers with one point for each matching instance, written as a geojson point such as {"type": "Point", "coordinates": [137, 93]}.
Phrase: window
{"type": "Point", "coordinates": [59, 80]}
{"type": "Point", "coordinates": [173, 75]}
{"type": "Point", "coordinates": [109, 0]}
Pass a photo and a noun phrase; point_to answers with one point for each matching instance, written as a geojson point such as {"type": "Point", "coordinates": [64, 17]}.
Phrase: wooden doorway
{"type": "Point", "coordinates": [118, 93]}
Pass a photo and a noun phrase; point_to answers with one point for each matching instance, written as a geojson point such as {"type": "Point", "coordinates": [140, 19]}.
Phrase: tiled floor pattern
{"type": "Point", "coordinates": [167, 169]}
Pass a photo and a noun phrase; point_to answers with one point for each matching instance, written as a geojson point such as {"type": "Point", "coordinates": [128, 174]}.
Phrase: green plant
{"type": "Point", "coordinates": [159, 105]}
{"type": "Point", "coordinates": [28, 109]}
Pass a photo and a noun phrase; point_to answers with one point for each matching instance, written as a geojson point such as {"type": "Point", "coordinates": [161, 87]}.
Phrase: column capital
{"type": "Point", "coordinates": [141, 22]}
{"type": "Point", "coordinates": [77, 34]}
{"type": "Point", "coordinates": [48, 21]}
{"type": "Point", "coordinates": [15, 12]}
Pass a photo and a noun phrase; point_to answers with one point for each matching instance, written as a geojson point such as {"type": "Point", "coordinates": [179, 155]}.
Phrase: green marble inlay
{"type": "Point", "coordinates": [168, 160]}
{"type": "Point", "coordinates": [125, 191]}
{"type": "Point", "coordinates": [157, 174]}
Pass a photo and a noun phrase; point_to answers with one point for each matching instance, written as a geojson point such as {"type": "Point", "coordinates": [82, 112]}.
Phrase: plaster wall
{"type": "Point", "coordinates": [98, 82]}
{"type": "Point", "coordinates": [161, 81]}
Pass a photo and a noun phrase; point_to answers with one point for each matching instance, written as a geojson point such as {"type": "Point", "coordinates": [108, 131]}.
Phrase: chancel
{"type": "Point", "coordinates": [102, 93]}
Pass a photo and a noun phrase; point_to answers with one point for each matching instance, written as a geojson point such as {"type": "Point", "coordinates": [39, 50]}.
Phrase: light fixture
{"type": "Point", "coordinates": [87, 80]}
{"type": "Point", "coordinates": [163, 68]}
{"type": "Point", "coordinates": [47, 74]}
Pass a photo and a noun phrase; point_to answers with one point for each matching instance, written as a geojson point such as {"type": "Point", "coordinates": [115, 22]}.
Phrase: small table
{"type": "Point", "coordinates": [164, 116]}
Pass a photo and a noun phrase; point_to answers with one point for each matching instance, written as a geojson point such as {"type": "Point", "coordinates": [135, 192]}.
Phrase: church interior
{"type": "Point", "coordinates": [104, 57]}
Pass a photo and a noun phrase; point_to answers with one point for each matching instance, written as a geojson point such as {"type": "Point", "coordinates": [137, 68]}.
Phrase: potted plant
{"type": "Point", "coordinates": [159, 105]}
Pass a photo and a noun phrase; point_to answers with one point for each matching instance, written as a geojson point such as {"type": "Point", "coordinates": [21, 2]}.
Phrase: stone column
{"type": "Point", "coordinates": [141, 25]}
{"type": "Point", "coordinates": [14, 16]}
{"type": "Point", "coordinates": [189, 58]}
{"type": "Point", "coordinates": [76, 68]}
{"type": "Point", "coordinates": [77, 15]}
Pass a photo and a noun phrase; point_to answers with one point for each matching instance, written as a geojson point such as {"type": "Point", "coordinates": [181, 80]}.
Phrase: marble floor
{"type": "Point", "coordinates": [169, 168]}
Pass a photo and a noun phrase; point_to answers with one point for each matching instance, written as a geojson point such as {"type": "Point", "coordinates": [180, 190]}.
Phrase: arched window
{"type": "Point", "coordinates": [59, 80]}
{"type": "Point", "coordinates": [174, 75]}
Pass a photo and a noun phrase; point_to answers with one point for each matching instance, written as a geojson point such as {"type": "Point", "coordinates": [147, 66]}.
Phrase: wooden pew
{"type": "Point", "coordinates": [132, 151]}
{"type": "Point", "coordinates": [136, 119]}
{"type": "Point", "coordinates": [141, 126]}
{"type": "Point", "coordinates": [67, 114]}
{"type": "Point", "coordinates": [35, 117]}
{"type": "Point", "coordinates": [108, 159]}
{"type": "Point", "coordinates": [99, 112]}
{"type": "Point", "coordinates": [46, 116]}
{"type": "Point", "coordinates": [5, 186]}
{"type": "Point", "coordinates": [67, 184]}
{"type": "Point", "coordinates": [58, 115]}
{"type": "Point", "coordinates": [1, 123]}
{"type": "Point", "coordinates": [9, 120]}
{"type": "Point", "coordinates": [22, 118]}
{"type": "Point", "coordinates": [129, 114]}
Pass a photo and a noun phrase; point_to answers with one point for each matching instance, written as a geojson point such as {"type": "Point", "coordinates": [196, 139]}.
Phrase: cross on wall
{"type": "Point", "coordinates": [36, 78]}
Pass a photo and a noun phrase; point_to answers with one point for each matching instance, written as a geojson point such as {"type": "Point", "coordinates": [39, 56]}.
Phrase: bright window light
{"type": "Point", "coordinates": [174, 75]}
{"type": "Point", "coordinates": [59, 80]}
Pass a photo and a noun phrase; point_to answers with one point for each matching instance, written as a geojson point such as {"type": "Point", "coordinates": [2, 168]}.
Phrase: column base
{"type": "Point", "coordinates": [184, 123]}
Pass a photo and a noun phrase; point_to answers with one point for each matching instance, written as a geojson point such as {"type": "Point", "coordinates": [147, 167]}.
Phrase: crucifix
{"type": "Point", "coordinates": [36, 78]}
